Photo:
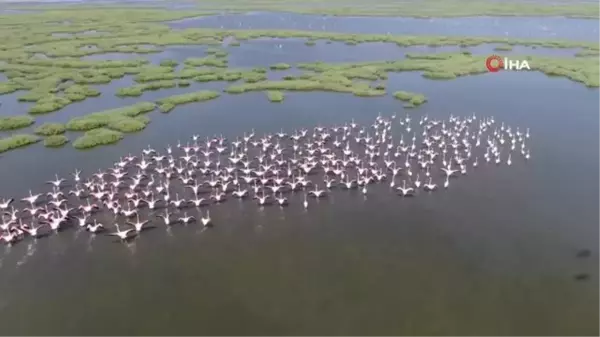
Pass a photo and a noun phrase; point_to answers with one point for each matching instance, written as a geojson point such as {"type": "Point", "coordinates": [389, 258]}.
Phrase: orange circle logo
{"type": "Point", "coordinates": [494, 63]}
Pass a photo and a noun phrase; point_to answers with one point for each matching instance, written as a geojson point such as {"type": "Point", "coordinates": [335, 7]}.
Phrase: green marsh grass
{"type": "Point", "coordinates": [168, 63]}
{"type": "Point", "coordinates": [17, 141]}
{"type": "Point", "coordinates": [280, 66]}
{"type": "Point", "coordinates": [55, 141]}
{"type": "Point", "coordinates": [275, 96]}
{"type": "Point", "coordinates": [133, 29]}
{"type": "Point", "coordinates": [97, 137]}
{"type": "Point", "coordinates": [169, 103]}
{"type": "Point", "coordinates": [78, 92]}
{"type": "Point", "coordinates": [127, 124]}
{"type": "Point", "coordinates": [587, 53]}
{"type": "Point", "coordinates": [111, 117]}
{"type": "Point", "coordinates": [209, 61]}
{"type": "Point", "coordinates": [231, 75]}
{"type": "Point", "coordinates": [138, 89]}
{"type": "Point", "coordinates": [50, 129]}
{"type": "Point", "coordinates": [216, 52]}
{"type": "Point", "coordinates": [412, 99]}
{"type": "Point", "coordinates": [15, 122]}
{"type": "Point", "coordinates": [49, 103]}
{"type": "Point", "coordinates": [50, 73]}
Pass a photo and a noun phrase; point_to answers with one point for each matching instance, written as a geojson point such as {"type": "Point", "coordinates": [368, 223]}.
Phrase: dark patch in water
{"type": "Point", "coordinates": [584, 253]}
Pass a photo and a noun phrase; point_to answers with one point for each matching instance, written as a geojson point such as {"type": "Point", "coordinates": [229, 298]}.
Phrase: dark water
{"type": "Point", "coordinates": [513, 27]}
{"type": "Point", "coordinates": [494, 254]}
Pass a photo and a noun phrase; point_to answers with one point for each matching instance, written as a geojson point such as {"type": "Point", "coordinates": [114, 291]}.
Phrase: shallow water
{"type": "Point", "coordinates": [512, 27]}
{"type": "Point", "coordinates": [494, 254]}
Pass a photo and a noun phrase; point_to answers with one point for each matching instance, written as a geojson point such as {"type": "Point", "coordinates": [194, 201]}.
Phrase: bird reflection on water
{"type": "Point", "coordinates": [178, 186]}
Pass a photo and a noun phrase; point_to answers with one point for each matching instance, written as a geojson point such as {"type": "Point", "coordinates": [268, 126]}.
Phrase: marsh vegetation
{"type": "Point", "coordinates": [50, 129]}
{"type": "Point", "coordinates": [40, 58]}
{"type": "Point", "coordinates": [119, 118]}
{"type": "Point", "coordinates": [97, 137]}
{"type": "Point", "coordinates": [169, 103]}
{"type": "Point", "coordinates": [55, 141]}
{"type": "Point", "coordinates": [280, 66]}
{"type": "Point", "coordinates": [17, 141]}
{"type": "Point", "coordinates": [275, 96]}
{"type": "Point", "coordinates": [15, 122]}
{"type": "Point", "coordinates": [411, 98]}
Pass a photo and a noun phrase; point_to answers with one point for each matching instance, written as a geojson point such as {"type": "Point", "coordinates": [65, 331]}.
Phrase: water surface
{"type": "Point", "coordinates": [511, 27]}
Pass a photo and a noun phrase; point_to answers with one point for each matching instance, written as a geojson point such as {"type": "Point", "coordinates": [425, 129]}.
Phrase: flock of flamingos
{"type": "Point", "coordinates": [179, 184]}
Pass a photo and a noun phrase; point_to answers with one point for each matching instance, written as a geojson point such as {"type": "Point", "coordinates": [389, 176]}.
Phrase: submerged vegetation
{"type": "Point", "coordinates": [15, 122]}
{"type": "Point", "coordinates": [16, 141]}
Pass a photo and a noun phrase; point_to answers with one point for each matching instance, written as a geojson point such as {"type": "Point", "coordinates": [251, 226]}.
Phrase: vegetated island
{"type": "Point", "coordinates": [40, 56]}
{"type": "Point", "coordinates": [55, 141]}
{"type": "Point", "coordinates": [17, 141]}
{"type": "Point", "coordinates": [412, 99]}
{"type": "Point", "coordinates": [275, 96]}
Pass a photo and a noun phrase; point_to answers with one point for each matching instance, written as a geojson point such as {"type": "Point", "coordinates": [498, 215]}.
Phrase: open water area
{"type": "Point", "coordinates": [495, 253]}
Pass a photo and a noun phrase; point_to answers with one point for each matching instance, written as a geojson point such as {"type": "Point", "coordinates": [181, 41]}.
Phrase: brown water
{"type": "Point", "coordinates": [494, 254]}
